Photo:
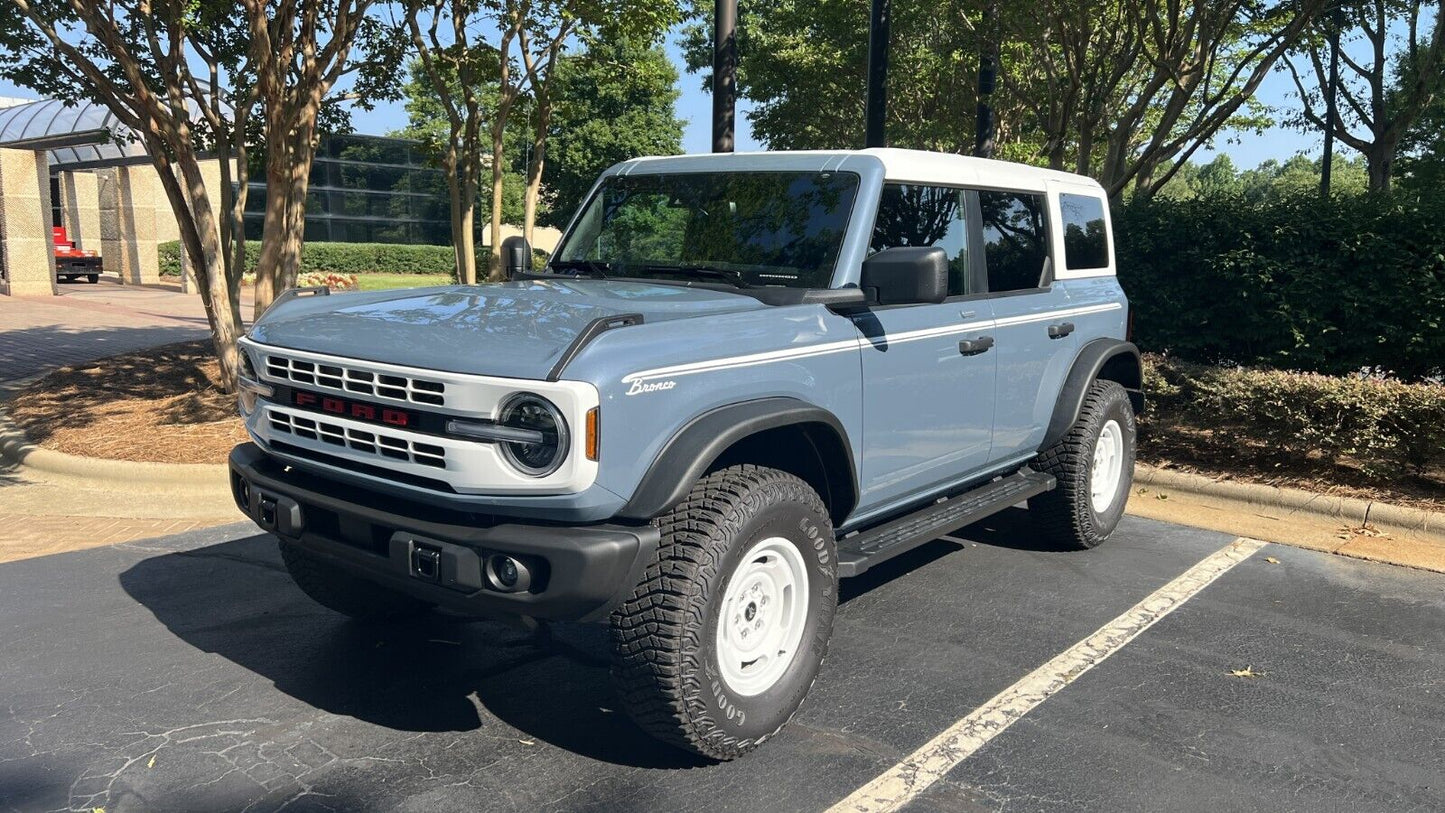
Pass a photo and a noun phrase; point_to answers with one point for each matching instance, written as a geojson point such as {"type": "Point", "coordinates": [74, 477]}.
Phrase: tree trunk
{"type": "Point", "coordinates": [985, 133]}
{"type": "Point", "coordinates": [273, 230]}
{"type": "Point", "coordinates": [534, 169]}
{"type": "Point", "coordinates": [494, 255]}
{"type": "Point", "coordinates": [1380, 160]}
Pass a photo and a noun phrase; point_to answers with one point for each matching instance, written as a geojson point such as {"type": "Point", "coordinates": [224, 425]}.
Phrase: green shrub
{"type": "Point", "coordinates": [354, 258]}
{"type": "Point", "coordinates": [1332, 286]}
{"type": "Point", "coordinates": [1382, 423]}
{"type": "Point", "coordinates": [344, 258]}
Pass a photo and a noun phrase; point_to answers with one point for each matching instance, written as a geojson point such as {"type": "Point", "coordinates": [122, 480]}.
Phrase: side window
{"type": "Point", "coordinates": [1015, 240]}
{"type": "Point", "coordinates": [917, 215]}
{"type": "Point", "coordinates": [1086, 242]}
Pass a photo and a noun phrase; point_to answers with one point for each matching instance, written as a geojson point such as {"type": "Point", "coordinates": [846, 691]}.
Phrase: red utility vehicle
{"type": "Point", "coordinates": [71, 262]}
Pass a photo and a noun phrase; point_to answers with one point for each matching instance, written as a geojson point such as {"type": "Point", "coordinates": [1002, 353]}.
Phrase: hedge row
{"type": "Point", "coordinates": [344, 258]}
{"type": "Point", "coordinates": [1383, 424]}
{"type": "Point", "coordinates": [1332, 286]}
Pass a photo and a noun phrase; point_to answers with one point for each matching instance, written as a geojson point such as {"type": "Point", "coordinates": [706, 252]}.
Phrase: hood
{"type": "Point", "coordinates": [510, 329]}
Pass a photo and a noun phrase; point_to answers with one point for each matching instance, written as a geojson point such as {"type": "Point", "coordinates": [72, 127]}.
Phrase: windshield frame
{"type": "Point", "coordinates": [865, 184]}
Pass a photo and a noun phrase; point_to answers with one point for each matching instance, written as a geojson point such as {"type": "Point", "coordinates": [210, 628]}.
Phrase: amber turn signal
{"type": "Point", "coordinates": [593, 432]}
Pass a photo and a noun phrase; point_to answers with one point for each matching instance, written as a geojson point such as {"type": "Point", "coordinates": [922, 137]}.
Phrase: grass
{"type": "Point", "coordinates": [386, 282]}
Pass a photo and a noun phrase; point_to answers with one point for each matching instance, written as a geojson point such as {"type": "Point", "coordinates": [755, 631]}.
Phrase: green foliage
{"type": "Point", "coordinates": [346, 258]}
{"type": "Point", "coordinates": [1383, 424]}
{"type": "Point", "coordinates": [1271, 180]}
{"type": "Point", "coordinates": [1331, 286]}
{"type": "Point", "coordinates": [616, 100]}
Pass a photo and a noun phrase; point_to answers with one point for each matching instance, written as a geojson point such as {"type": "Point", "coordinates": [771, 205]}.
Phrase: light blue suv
{"type": "Point", "coordinates": [739, 379]}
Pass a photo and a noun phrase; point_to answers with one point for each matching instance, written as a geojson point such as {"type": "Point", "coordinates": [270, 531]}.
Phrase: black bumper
{"type": "Point", "coordinates": [576, 573]}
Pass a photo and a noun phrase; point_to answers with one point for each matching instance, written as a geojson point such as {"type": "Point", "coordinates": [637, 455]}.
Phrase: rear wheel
{"type": "Point", "coordinates": [719, 644]}
{"type": "Point", "coordinates": [92, 278]}
{"type": "Point", "coordinates": [1094, 466]}
{"type": "Point", "coordinates": [346, 594]}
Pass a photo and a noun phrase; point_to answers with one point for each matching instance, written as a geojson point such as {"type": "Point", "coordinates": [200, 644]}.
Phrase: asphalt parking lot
{"type": "Point", "coordinates": [188, 673]}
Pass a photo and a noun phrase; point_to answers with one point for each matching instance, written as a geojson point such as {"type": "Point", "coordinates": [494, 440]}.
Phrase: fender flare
{"type": "Point", "coordinates": [686, 457]}
{"type": "Point", "coordinates": [1088, 364]}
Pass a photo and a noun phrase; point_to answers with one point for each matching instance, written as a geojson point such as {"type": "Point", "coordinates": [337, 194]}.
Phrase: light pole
{"type": "Point", "coordinates": [724, 73]}
{"type": "Point", "coordinates": [876, 108]}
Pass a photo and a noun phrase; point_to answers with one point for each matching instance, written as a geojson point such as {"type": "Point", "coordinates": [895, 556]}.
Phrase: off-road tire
{"type": "Point", "coordinates": [346, 594]}
{"type": "Point", "coordinates": [664, 637]}
{"type": "Point", "coordinates": [1065, 517]}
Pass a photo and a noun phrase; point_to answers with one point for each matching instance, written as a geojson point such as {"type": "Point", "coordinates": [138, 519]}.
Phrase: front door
{"type": "Point", "coordinates": [927, 397]}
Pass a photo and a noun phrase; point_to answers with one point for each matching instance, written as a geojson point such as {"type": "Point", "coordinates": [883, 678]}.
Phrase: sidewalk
{"type": "Point", "coordinates": [43, 513]}
{"type": "Point", "coordinates": [87, 322]}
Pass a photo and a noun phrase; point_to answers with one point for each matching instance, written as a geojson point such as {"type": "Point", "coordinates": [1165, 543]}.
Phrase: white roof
{"type": "Point", "coordinates": [916, 166]}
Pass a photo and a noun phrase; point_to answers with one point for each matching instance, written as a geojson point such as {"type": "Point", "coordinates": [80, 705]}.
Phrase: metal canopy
{"type": "Point", "coordinates": [84, 134]}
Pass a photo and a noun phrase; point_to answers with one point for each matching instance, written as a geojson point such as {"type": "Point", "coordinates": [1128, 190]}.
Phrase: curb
{"type": "Point", "coordinates": [1348, 526]}
{"type": "Point", "coordinates": [16, 449]}
{"type": "Point", "coordinates": [1288, 501]}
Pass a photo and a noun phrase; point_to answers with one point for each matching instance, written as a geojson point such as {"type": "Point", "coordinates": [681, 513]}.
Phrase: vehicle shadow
{"type": "Point", "coordinates": [438, 673]}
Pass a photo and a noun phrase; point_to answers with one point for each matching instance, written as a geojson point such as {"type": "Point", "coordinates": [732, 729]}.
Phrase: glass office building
{"type": "Point", "coordinates": [366, 189]}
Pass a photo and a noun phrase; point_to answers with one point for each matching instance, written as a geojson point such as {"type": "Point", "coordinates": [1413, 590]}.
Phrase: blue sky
{"type": "Point", "coordinates": [695, 106]}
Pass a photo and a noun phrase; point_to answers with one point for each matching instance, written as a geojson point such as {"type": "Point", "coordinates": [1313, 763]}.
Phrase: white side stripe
{"type": "Point", "coordinates": [827, 348]}
{"type": "Point", "coordinates": [903, 782]}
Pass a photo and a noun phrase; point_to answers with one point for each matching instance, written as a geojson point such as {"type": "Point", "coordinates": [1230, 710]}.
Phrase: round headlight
{"type": "Point", "coordinates": [533, 412]}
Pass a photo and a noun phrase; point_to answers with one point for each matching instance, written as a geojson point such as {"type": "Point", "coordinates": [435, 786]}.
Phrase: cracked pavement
{"type": "Point", "coordinates": [188, 673]}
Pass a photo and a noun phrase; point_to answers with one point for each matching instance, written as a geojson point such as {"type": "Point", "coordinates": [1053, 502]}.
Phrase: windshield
{"type": "Point", "coordinates": [744, 229]}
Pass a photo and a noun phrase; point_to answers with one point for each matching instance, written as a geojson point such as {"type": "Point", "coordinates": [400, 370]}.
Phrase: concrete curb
{"type": "Point", "coordinates": [1347, 526]}
{"type": "Point", "coordinates": [16, 449]}
{"type": "Point", "coordinates": [1352, 511]}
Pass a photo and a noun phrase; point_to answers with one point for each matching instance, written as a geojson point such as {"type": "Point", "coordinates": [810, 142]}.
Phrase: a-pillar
{"type": "Point", "coordinates": [80, 209]}
{"type": "Point", "coordinates": [128, 197]}
{"type": "Point", "coordinates": [27, 254]}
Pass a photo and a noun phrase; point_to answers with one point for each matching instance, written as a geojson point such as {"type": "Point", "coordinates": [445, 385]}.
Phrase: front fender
{"type": "Point", "coordinates": [686, 457]}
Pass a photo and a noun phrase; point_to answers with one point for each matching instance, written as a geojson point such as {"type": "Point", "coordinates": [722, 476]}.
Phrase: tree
{"type": "Point", "coordinates": [300, 50]}
{"type": "Point", "coordinates": [1422, 150]}
{"type": "Point", "coordinates": [454, 70]}
{"type": "Point", "coordinates": [1384, 93]}
{"type": "Point", "coordinates": [547, 27]}
{"type": "Point", "coordinates": [614, 101]}
{"type": "Point", "coordinates": [134, 58]}
{"type": "Point", "coordinates": [1126, 90]}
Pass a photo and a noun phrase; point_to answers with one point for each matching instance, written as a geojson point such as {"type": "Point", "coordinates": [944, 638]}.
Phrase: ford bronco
{"type": "Point", "coordinates": [739, 379]}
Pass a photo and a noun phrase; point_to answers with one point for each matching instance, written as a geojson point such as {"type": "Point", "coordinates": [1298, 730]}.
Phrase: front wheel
{"type": "Point", "coordinates": [721, 641]}
{"type": "Point", "coordinates": [1094, 466]}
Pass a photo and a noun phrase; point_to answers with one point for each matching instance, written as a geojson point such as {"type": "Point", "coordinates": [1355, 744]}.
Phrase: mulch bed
{"type": "Point", "coordinates": [128, 408]}
{"type": "Point", "coordinates": [161, 405]}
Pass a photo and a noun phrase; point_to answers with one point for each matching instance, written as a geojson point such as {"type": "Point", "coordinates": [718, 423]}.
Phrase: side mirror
{"type": "Point", "coordinates": [516, 256]}
{"type": "Point", "coordinates": [906, 275]}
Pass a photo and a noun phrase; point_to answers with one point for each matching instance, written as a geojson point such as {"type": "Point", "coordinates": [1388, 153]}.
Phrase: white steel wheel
{"type": "Point", "coordinates": [762, 616]}
{"type": "Point", "coordinates": [1108, 468]}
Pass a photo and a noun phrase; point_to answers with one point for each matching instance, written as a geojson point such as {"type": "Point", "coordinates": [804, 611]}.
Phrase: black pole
{"type": "Point", "coordinates": [984, 131]}
{"type": "Point", "coordinates": [1332, 111]}
{"type": "Point", "coordinates": [724, 73]}
{"type": "Point", "coordinates": [876, 110]}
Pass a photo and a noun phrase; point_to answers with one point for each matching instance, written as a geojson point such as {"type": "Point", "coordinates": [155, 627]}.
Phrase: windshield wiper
{"type": "Point", "coordinates": [728, 275]}
{"type": "Point", "coordinates": [595, 269]}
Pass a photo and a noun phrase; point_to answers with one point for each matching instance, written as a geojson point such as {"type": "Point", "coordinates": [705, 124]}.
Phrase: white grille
{"type": "Point", "coordinates": [379, 444]}
{"type": "Point", "coordinates": [353, 380]}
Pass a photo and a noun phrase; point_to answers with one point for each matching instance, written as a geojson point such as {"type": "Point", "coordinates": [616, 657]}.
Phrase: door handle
{"type": "Point", "coordinates": [972, 347]}
{"type": "Point", "coordinates": [1060, 330]}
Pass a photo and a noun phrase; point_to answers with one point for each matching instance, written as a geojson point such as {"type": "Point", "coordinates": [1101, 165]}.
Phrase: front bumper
{"type": "Point", "coordinates": [576, 572]}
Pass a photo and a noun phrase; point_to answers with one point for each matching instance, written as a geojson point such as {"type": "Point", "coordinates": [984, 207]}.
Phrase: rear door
{"type": "Point", "coordinates": [927, 405]}
{"type": "Point", "coordinates": [1036, 338]}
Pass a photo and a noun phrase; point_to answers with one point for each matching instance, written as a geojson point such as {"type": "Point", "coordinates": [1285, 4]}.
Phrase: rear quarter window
{"type": "Point", "coordinates": [1086, 240]}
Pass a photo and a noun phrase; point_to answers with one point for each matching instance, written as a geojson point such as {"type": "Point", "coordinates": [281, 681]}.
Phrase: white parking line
{"type": "Point", "coordinates": [900, 784]}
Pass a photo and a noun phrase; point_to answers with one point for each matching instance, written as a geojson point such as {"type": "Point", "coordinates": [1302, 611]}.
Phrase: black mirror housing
{"type": "Point", "coordinates": [516, 256]}
{"type": "Point", "coordinates": [906, 275]}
